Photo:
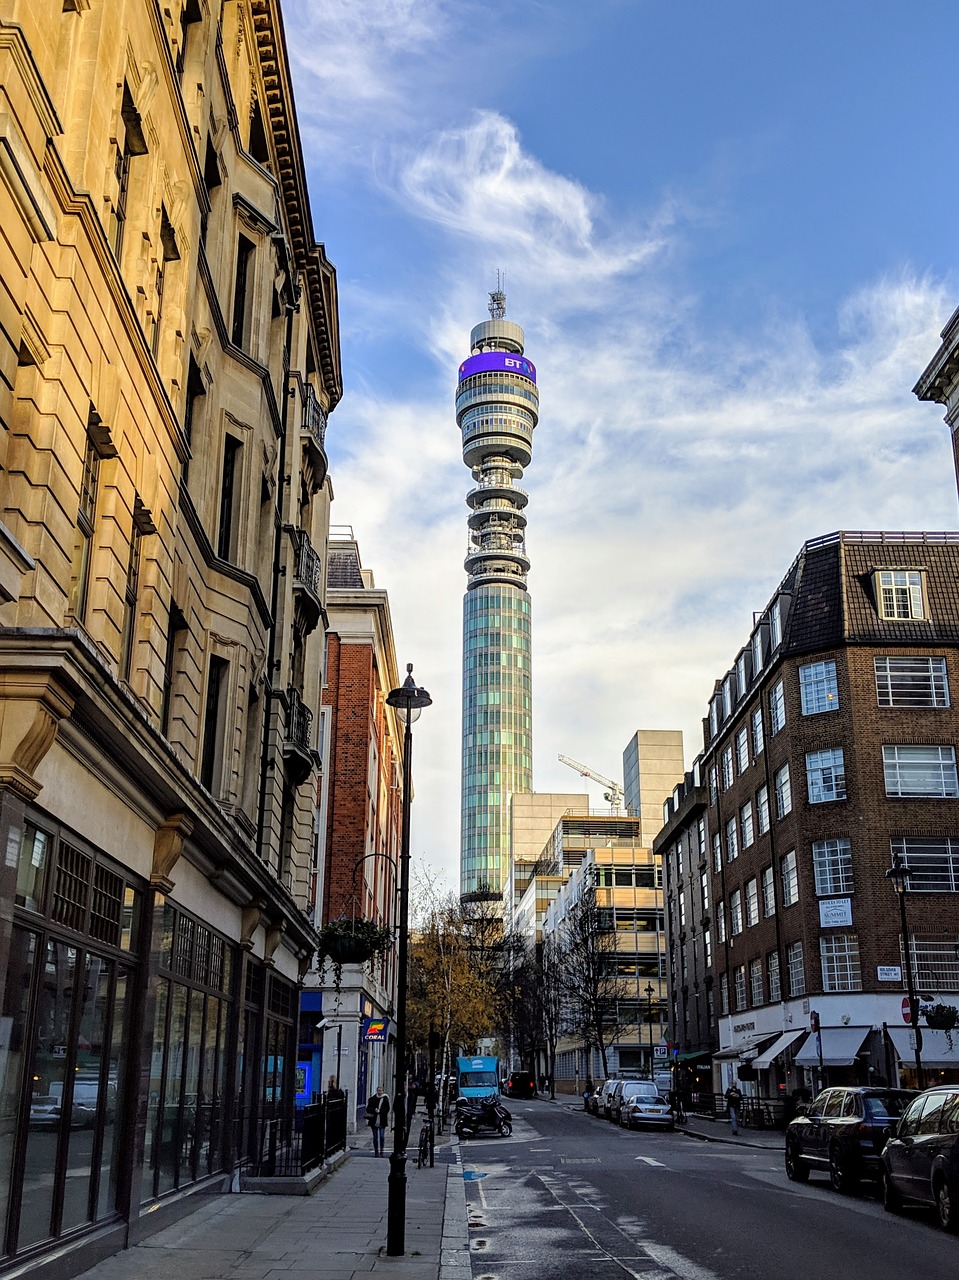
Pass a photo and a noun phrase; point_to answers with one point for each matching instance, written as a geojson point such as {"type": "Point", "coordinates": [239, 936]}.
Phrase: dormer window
{"type": "Point", "coordinates": [899, 593]}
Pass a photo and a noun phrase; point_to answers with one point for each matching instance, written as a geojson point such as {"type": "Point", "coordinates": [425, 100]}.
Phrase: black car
{"type": "Point", "coordinates": [843, 1131]}
{"type": "Point", "coordinates": [921, 1158]}
{"type": "Point", "coordinates": [521, 1084]}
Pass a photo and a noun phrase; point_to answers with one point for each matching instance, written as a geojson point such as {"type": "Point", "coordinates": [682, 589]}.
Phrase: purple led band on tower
{"type": "Point", "coordinates": [497, 362]}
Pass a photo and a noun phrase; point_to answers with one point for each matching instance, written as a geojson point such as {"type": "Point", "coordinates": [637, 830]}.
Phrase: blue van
{"type": "Point", "coordinates": [477, 1077]}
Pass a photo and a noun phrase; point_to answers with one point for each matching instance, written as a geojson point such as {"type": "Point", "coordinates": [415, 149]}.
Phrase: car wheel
{"type": "Point", "coordinates": [796, 1171]}
{"type": "Point", "coordinates": [947, 1205]}
{"type": "Point", "coordinates": [505, 1129]}
{"type": "Point", "coordinates": [891, 1196]}
{"type": "Point", "coordinates": [841, 1173]}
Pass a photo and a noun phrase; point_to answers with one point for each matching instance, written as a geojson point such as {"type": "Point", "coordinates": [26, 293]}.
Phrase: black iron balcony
{"type": "Point", "coordinates": [314, 425]}
{"type": "Point", "coordinates": [307, 572]}
{"type": "Point", "coordinates": [297, 738]}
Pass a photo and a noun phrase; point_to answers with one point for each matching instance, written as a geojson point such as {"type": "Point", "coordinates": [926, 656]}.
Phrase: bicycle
{"type": "Point", "coordinates": [425, 1143]}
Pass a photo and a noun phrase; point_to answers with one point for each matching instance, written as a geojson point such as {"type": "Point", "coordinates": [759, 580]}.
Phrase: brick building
{"type": "Point", "coordinates": [830, 750]}
{"type": "Point", "coordinates": [359, 827]}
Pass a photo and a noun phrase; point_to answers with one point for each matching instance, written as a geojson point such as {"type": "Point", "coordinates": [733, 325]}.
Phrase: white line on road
{"type": "Point", "coordinates": [649, 1160]}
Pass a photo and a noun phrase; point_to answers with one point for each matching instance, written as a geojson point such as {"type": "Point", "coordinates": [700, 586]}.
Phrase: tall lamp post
{"type": "Point", "coordinates": [408, 701]}
{"type": "Point", "coordinates": [898, 873]}
{"type": "Point", "coordinates": [648, 991]}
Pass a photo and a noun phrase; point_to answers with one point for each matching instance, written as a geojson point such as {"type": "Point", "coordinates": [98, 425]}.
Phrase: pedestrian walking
{"type": "Point", "coordinates": [377, 1113]}
{"type": "Point", "coordinates": [734, 1102]}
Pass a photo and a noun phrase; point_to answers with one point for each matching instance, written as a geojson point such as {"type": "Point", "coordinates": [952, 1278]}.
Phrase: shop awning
{"type": "Point", "coordinates": [744, 1046]}
{"type": "Point", "coordinates": [768, 1056]}
{"type": "Point", "coordinates": [937, 1051]}
{"type": "Point", "coordinates": [839, 1047]}
{"type": "Point", "coordinates": [688, 1057]}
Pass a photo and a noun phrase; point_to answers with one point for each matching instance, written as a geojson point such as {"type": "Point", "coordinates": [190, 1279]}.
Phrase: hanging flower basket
{"type": "Point", "coordinates": [352, 941]}
{"type": "Point", "coordinates": [942, 1017]}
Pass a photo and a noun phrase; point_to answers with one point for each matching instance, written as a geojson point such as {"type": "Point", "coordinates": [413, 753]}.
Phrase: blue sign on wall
{"type": "Point", "coordinates": [374, 1030]}
{"type": "Point", "coordinates": [497, 362]}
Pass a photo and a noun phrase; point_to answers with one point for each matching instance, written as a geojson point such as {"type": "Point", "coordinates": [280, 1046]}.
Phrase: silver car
{"type": "Point", "coordinates": [646, 1107]}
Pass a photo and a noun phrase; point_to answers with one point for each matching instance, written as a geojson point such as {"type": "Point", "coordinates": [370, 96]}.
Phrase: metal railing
{"type": "Point", "coordinates": [293, 1144]}
{"type": "Point", "coordinates": [754, 1113]}
{"type": "Point", "coordinates": [307, 569]}
{"type": "Point", "coordinates": [314, 419]}
{"type": "Point", "coordinates": [298, 721]}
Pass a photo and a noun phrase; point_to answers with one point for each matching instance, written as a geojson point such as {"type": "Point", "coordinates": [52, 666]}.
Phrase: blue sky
{"type": "Point", "coordinates": [727, 229]}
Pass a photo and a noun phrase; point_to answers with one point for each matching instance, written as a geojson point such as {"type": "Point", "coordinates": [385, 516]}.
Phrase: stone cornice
{"type": "Point", "coordinates": [14, 42]}
{"type": "Point", "coordinates": [248, 581]}
{"type": "Point", "coordinates": [941, 374]}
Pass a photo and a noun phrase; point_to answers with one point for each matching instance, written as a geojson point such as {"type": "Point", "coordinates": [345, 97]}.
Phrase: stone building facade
{"type": "Point", "coordinates": [168, 357]}
{"type": "Point", "coordinates": [830, 752]}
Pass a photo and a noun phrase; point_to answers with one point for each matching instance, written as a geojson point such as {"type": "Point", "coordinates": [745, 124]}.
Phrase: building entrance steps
{"type": "Point", "coordinates": [338, 1233]}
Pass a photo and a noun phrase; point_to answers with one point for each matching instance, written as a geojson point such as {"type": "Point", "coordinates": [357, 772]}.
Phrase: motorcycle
{"type": "Point", "coordinates": [474, 1114]}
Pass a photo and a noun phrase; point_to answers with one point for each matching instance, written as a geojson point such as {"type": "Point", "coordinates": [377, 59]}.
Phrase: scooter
{"type": "Point", "coordinates": [474, 1114]}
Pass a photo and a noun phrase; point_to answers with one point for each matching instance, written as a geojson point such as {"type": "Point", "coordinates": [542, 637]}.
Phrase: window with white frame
{"type": "Point", "coordinates": [795, 969]}
{"type": "Point", "coordinates": [717, 852]}
{"type": "Point", "coordinates": [839, 953]}
{"type": "Point", "coordinates": [900, 593]}
{"type": "Point", "coordinates": [772, 974]}
{"type": "Point", "coordinates": [727, 697]}
{"type": "Point", "coordinates": [818, 689]}
{"type": "Point", "coordinates": [832, 866]}
{"type": "Point", "coordinates": [777, 707]}
{"type": "Point", "coordinates": [708, 948]}
{"type": "Point", "coordinates": [775, 625]}
{"type": "Point", "coordinates": [762, 809]}
{"type": "Point", "coordinates": [825, 775]}
{"type": "Point", "coordinates": [701, 838]}
{"type": "Point", "coordinates": [769, 891]}
{"type": "Point", "coordinates": [742, 678]}
{"type": "Point", "coordinates": [679, 856]}
{"type": "Point", "coordinates": [735, 913]}
{"type": "Point", "coordinates": [934, 960]}
{"type": "Point", "coordinates": [746, 823]}
{"type": "Point", "coordinates": [752, 902]}
{"type": "Point", "coordinates": [739, 978]}
{"type": "Point", "coordinates": [732, 841]}
{"type": "Point", "coordinates": [682, 909]}
{"type": "Point", "coordinates": [727, 768]}
{"type": "Point", "coordinates": [742, 750]}
{"type": "Point", "coordinates": [933, 862]}
{"type": "Point", "coordinates": [714, 717]}
{"type": "Point", "coordinates": [721, 921]}
{"type": "Point", "coordinates": [789, 872]}
{"type": "Point", "coordinates": [724, 994]}
{"type": "Point", "coordinates": [704, 891]}
{"type": "Point", "coordinates": [783, 788]}
{"type": "Point", "coordinates": [912, 682]}
{"type": "Point", "coordinates": [756, 646]}
{"type": "Point", "coordinates": [756, 993]}
{"type": "Point", "coordinates": [757, 726]}
{"type": "Point", "coordinates": [713, 777]}
{"type": "Point", "coordinates": [920, 771]}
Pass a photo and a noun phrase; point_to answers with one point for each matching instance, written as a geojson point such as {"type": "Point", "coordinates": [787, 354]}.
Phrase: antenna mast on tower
{"type": "Point", "coordinates": [497, 299]}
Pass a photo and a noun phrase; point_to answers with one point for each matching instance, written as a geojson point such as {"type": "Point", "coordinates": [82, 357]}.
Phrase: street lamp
{"type": "Point", "coordinates": [408, 701]}
{"type": "Point", "coordinates": [898, 873]}
{"type": "Point", "coordinates": [648, 991]}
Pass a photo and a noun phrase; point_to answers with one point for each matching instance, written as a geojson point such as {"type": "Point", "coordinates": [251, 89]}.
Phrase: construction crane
{"type": "Point", "coordinates": [615, 793]}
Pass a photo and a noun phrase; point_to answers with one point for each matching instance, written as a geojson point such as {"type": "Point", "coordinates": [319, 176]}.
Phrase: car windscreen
{"type": "Point", "coordinates": [886, 1106]}
{"type": "Point", "coordinates": [478, 1079]}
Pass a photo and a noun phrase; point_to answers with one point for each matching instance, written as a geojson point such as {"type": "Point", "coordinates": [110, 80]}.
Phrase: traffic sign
{"type": "Point", "coordinates": [906, 1011]}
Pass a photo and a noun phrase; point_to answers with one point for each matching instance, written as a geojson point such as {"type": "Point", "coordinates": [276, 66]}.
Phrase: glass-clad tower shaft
{"type": "Point", "coordinates": [497, 407]}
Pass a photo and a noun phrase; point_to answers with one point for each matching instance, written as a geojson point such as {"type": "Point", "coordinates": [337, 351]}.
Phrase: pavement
{"type": "Point", "coordinates": [339, 1232]}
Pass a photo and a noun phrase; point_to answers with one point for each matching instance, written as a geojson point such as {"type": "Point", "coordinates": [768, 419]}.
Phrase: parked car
{"type": "Point", "coordinates": [520, 1084]}
{"type": "Point", "coordinates": [605, 1099]}
{"type": "Point", "coordinates": [594, 1101]}
{"type": "Point", "coordinates": [643, 1104]}
{"type": "Point", "coordinates": [921, 1159]}
{"type": "Point", "coordinates": [843, 1132]}
{"type": "Point", "coordinates": [623, 1094]}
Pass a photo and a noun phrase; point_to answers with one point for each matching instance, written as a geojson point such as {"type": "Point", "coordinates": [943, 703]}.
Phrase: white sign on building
{"type": "Point", "coordinates": [835, 911]}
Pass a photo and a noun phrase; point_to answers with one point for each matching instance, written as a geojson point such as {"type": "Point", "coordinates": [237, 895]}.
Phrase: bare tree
{"type": "Point", "coordinates": [591, 985]}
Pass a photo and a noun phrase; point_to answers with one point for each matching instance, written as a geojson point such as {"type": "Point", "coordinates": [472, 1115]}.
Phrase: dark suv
{"type": "Point", "coordinates": [520, 1084]}
{"type": "Point", "coordinates": [921, 1158]}
{"type": "Point", "coordinates": [843, 1131]}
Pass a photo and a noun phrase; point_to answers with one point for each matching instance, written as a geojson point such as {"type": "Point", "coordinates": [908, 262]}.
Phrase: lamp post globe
{"type": "Point", "coordinates": [407, 701]}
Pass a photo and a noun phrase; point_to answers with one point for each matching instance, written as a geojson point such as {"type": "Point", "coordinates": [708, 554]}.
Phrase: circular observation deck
{"type": "Point", "coordinates": [517, 497]}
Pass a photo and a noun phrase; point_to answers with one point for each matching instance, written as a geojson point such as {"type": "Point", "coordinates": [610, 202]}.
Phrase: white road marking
{"type": "Point", "coordinates": [649, 1160]}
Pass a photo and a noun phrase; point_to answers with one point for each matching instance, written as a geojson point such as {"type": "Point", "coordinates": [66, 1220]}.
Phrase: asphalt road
{"type": "Point", "coordinates": [570, 1197]}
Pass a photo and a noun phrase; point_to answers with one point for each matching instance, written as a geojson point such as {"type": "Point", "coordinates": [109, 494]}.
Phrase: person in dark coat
{"type": "Point", "coordinates": [377, 1114]}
